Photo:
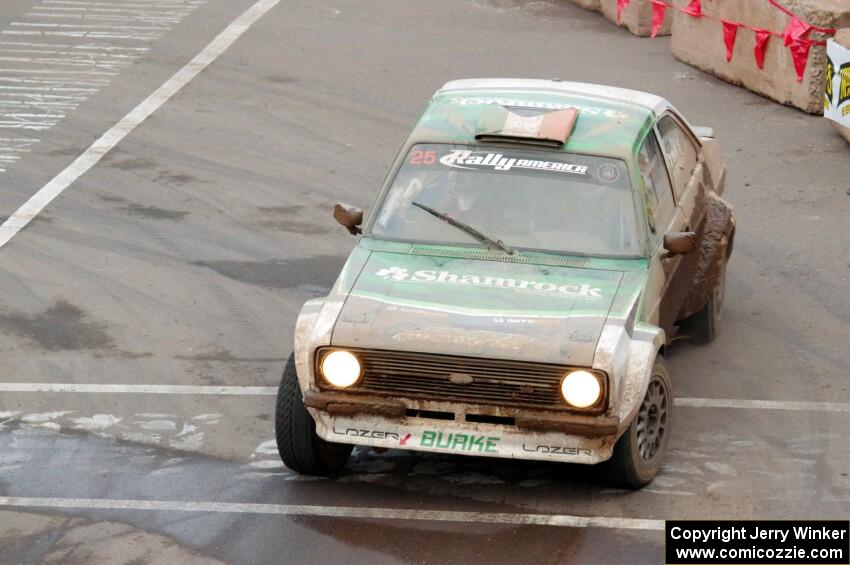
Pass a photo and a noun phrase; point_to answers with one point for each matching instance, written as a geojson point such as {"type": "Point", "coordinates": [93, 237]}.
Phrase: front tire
{"type": "Point", "coordinates": [640, 451]}
{"type": "Point", "coordinates": [300, 448]}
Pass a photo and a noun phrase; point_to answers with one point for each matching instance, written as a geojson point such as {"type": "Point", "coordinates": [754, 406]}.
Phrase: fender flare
{"type": "Point", "coordinates": [313, 328]}
{"type": "Point", "coordinates": [644, 349]}
{"type": "Point", "coordinates": [716, 237]}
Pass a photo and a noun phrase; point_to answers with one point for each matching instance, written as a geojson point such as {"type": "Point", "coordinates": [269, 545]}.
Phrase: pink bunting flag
{"type": "Point", "coordinates": [762, 38]}
{"type": "Point", "coordinates": [621, 5]}
{"type": "Point", "coordinates": [658, 9]}
{"type": "Point", "coordinates": [694, 9]}
{"type": "Point", "coordinates": [730, 32]}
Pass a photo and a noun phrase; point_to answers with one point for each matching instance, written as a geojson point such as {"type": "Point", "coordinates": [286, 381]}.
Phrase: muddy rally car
{"type": "Point", "coordinates": [535, 247]}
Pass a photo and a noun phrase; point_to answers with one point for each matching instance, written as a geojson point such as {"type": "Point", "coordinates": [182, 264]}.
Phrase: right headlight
{"type": "Point", "coordinates": [581, 389]}
{"type": "Point", "coordinates": [341, 368]}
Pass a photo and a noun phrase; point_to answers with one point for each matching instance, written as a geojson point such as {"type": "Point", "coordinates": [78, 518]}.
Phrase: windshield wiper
{"type": "Point", "coordinates": [466, 228]}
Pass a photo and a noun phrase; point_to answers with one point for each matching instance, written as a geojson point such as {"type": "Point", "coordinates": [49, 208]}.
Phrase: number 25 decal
{"type": "Point", "coordinates": [419, 157]}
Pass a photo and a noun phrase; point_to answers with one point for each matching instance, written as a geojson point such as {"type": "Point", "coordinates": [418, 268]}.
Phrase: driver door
{"type": "Point", "coordinates": [663, 216]}
{"type": "Point", "coordinates": [683, 157]}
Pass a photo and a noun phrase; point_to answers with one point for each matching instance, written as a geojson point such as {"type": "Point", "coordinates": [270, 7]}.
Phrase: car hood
{"type": "Point", "coordinates": [478, 308]}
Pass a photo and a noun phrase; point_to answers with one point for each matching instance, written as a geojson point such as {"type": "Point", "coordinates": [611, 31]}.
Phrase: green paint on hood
{"type": "Point", "coordinates": [487, 287]}
{"type": "Point", "coordinates": [482, 308]}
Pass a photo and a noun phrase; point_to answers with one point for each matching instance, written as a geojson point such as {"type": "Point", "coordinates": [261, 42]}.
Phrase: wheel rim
{"type": "Point", "coordinates": [652, 420]}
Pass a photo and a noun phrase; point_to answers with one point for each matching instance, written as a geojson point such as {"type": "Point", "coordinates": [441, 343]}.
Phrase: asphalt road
{"type": "Point", "coordinates": [183, 256]}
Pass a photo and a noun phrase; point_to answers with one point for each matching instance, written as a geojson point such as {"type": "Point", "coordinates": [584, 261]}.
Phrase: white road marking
{"type": "Point", "coordinates": [246, 390]}
{"type": "Point", "coordinates": [88, 47]}
{"type": "Point", "coordinates": [796, 405]}
{"type": "Point", "coordinates": [560, 520]}
{"type": "Point", "coordinates": [11, 148]}
{"type": "Point", "coordinates": [140, 389]}
{"type": "Point", "coordinates": [32, 207]}
{"type": "Point", "coordinates": [68, 46]}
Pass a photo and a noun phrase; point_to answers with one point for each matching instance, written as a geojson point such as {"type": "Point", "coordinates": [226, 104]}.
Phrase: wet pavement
{"type": "Point", "coordinates": [183, 257]}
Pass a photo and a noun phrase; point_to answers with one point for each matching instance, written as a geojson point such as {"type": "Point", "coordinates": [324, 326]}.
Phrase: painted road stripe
{"type": "Point", "coordinates": [140, 389]}
{"type": "Point", "coordinates": [244, 390]}
{"type": "Point", "coordinates": [798, 405]}
{"type": "Point", "coordinates": [32, 207]}
{"type": "Point", "coordinates": [560, 520]}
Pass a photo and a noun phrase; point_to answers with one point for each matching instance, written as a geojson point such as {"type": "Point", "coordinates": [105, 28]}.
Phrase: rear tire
{"type": "Point", "coordinates": [300, 448]}
{"type": "Point", "coordinates": [640, 451]}
{"type": "Point", "coordinates": [702, 326]}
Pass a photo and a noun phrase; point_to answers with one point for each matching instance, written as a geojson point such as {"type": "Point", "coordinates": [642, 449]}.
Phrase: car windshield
{"type": "Point", "coordinates": [527, 199]}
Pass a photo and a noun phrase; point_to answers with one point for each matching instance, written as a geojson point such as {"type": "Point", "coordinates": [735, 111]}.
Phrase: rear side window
{"type": "Point", "coordinates": [659, 196]}
{"type": "Point", "coordinates": [680, 149]}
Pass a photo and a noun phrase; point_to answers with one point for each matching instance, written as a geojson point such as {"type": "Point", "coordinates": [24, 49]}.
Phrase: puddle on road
{"type": "Point", "coordinates": [64, 327]}
{"type": "Point", "coordinates": [109, 470]}
{"type": "Point", "coordinates": [39, 538]}
{"type": "Point", "coordinates": [34, 453]}
{"type": "Point", "coordinates": [60, 327]}
{"type": "Point", "coordinates": [700, 465]}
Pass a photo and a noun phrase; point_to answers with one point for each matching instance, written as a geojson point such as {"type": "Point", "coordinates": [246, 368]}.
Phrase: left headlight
{"type": "Point", "coordinates": [341, 368]}
{"type": "Point", "coordinates": [581, 389]}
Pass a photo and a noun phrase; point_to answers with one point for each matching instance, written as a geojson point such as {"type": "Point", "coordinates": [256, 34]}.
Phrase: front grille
{"type": "Point", "coordinates": [426, 376]}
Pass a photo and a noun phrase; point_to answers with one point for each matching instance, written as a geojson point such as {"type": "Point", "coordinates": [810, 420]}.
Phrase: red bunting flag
{"type": "Point", "coordinates": [621, 5]}
{"type": "Point", "coordinates": [658, 9]}
{"type": "Point", "coordinates": [800, 55]}
{"type": "Point", "coordinates": [796, 30]}
{"type": "Point", "coordinates": [762, 38]}
{"type": "Point", "coordinates": [730, 32]}
{"type": "Point", "coordinates": [694, 9]}
{"type": "Point", "coordinates": [796, 33]}
{"type": "Point", "coordinates": [798, 42]}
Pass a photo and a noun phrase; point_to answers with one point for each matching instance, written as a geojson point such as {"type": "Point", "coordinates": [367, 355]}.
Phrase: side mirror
{"type": "Point", "coordinates": [349, 216]}
{"type": "Point", "coordinates": [680, 242]}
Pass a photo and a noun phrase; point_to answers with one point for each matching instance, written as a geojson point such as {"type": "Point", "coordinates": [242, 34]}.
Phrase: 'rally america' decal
{"type": "Point", "coordinates": [402, 275]}
{"type": "Point", "coordinates": [466, 159]}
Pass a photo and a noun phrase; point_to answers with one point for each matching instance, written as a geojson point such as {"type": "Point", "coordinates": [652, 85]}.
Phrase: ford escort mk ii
{"type": "Point", "coordinates": [534, 250]}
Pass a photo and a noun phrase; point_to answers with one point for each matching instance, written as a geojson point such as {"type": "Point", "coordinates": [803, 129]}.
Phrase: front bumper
{"type": "Point", "coordinates": [532, 434]}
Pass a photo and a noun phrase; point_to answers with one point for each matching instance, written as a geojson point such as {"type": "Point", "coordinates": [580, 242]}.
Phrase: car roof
{"type": "Point", "coordinates": [611, 120]}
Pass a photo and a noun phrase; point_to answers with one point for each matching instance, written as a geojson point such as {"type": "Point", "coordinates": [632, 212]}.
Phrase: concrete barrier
{"type": "Point", "coordinates": [843, 38]}
{"type": "Point", "coordinates": [636, 17]}
{"type": "Point", "coordinates": [699, 42]}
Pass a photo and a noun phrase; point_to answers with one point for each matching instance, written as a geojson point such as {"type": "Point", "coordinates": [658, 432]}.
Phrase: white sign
{"type": "Point", "coordinates": [836, 104]}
